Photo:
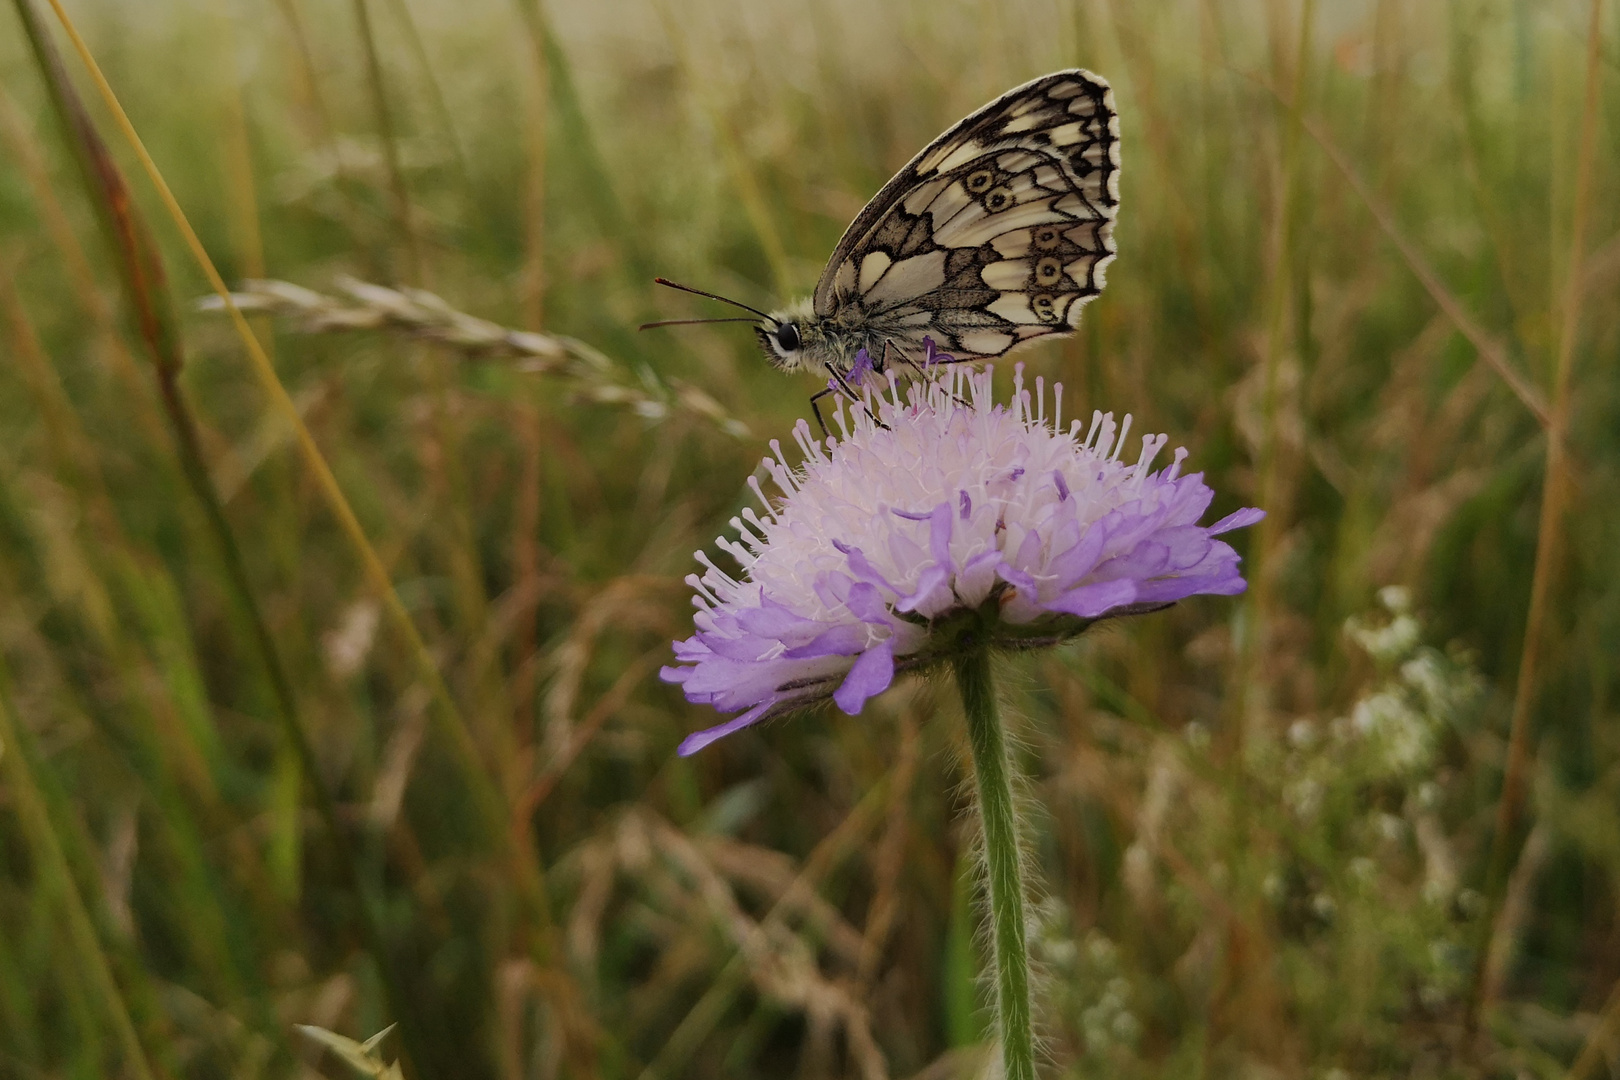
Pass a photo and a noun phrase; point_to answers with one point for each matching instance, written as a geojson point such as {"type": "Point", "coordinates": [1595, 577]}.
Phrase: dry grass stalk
{"type": "Point", "coordinates": [422, 315]}
{"type": "Point", "coordinates": [1555, 497]}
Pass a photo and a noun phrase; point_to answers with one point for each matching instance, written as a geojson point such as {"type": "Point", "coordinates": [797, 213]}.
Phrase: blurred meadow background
{"type": "Point", "coordinates": [328, 684]}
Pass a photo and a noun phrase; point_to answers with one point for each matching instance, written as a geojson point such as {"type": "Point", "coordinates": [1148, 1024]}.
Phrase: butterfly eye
{"type": "Point", "coordinates": [1046, 238]}
{"type": "Point", "coordinates": [1048, 271]}
{"type": "Point", "coordinates": [787, 337]}
{"type": "Point", "coordinates": [1045, 308]}
{"type": "Point", "coordinates": [998, 199]}
{"type": "Point", "coordinates": [979, 181]}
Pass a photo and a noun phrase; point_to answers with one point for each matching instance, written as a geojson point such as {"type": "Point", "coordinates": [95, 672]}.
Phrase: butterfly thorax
{"type": "Point", "coordinates": [797, 339]}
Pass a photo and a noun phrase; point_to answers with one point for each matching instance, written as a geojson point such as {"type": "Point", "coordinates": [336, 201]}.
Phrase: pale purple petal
{"type": "Point", "coordinates": [939, 536]}
{"type": "Point", "coordinates": [866, 603]}
{"type": "Point", "coordinates": [1090, 601]}
{"type": "Point", "coordinates": [699, 739]}
{"type": "Point", "coordinates": [1236, 520]}
{"type": "Point", "coordinates": [845, 640]}
{"type": "Point", "coordinates": [977, 576]}
{"type": "Point", "coordinates": [870, 676]}
{"type": "Point", "coordinates": [862, 567]}
{"type": "Point", "coordinates": [933, 588]}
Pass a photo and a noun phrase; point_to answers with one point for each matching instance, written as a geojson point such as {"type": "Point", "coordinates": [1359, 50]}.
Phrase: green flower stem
{"type": "Point", "coordinates": [1003, 867]}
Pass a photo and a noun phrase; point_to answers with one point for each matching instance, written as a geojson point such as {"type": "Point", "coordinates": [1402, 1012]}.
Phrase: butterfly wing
{"type": "Point", "coordinates": [999, 231]}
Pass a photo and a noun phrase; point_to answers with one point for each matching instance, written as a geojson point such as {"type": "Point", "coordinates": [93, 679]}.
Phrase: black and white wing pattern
{"type": "Point", "coordinates": [999, 231]}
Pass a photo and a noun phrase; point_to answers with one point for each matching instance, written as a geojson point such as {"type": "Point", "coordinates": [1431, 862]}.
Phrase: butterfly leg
{"type": "Point", "coordinates": [817, 396]}
{"type": "Point", "coordinates": [839, 384]}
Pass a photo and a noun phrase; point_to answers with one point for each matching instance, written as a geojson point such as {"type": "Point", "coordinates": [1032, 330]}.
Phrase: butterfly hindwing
{"type": "Point", "coordinates": [998, 231]}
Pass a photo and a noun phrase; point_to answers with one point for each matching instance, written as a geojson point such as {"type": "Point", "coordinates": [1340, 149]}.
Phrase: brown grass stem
{"type": "Point", "coordinates": [1492, 351]}
{"type": "Point", "coordinates": [1254, 693]}
{"type": "Point", "coordinates": [441, 107]}
{"type": "Point", "coordinates": [707, 1011]}
{"type": "Point", "coordinates": [573, 130]}
{"type": "Point", "coordinates": [384, 118]}
{"type": "Point", "coordinates": [1600, 1037]}
{"type": "Point", "coordinates": [1549, 534]}
{"type": "Point", "coordinates": [706, 74]}
{"type": "Point", "coordinates": [326, 129]}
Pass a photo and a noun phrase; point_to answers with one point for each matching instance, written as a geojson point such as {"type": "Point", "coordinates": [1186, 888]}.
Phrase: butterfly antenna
{"type": "Point", "coordinates": [714, 296]}
{"type": "Point", "coordinates": [688, 322]}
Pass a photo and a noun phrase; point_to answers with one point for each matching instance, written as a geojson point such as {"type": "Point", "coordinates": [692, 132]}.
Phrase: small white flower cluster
{"type": "Point", "coordinates": [1394, 639]}
{"type": "Point", "coordinates": [1373, 781]}
{"type": "Point", "coordinates": [1394, 734]}
{"type": "Point", "coordinates": [1090, 984]}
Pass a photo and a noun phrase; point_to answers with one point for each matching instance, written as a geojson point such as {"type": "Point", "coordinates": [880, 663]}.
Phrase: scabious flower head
{"type": "Point", "coordinates": [939, 520]}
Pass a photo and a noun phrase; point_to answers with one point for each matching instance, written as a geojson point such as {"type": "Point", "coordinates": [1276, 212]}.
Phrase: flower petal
{"type": "Point", "coordinates": [1090, 601]}
{"type": "Point", "coordinates": [699, 739]}
{"type": "Point", "coordinates": [1236, 520]}
{"type": "Point", "coordinates": [845, 640]}
{"type": "Point", "coordinates": [870, 676]}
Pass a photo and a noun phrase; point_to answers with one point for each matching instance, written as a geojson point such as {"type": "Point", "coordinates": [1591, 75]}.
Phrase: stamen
{"type": "Point", "coordinates": [1175, 466]}
{"type": "Point", "coordinates": [753, 484]}
{"type": "Point", "coordinates": [1040, 400]}
{"type": "Point", "coordinates": [809, 446]}
{"type": "Point", "coordinates": [1151, 445]}
{"type": "Point", "coordinates": [1096, 419]}
{"type": "Point", "coordinates": [787, 471]}
{"type": "Point", "coordinates": [747, 534]}
{"type": "Point", "coordinates": [723, 577]}
{"type": "Point", "coordinates": [1105, 437]}
{"type": "Point", "coordinates": [744, 557]}
{"type": "Point", "coordinates": [778, 474]}
{"type": "Point", "coordinates": [1124, 430]}
{"type": "Point", "coordinates": [701, 587]}
{"type": "Point", "coordinates": [1057, 406]}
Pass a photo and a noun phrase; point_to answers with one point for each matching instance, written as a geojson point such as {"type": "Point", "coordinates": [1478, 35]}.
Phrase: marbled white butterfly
{"type": "Point", "coordinates": [997, 233]}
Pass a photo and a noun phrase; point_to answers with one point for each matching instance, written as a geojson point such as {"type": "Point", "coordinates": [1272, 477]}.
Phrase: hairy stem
{"type": "Point", "coordinates": [992, 774]}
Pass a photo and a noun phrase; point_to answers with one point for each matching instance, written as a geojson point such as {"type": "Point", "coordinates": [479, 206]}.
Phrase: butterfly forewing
{"type": "Point", "coordinates": [997, 232]}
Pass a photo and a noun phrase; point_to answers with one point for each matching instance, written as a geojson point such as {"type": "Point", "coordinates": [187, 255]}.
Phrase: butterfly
{"type": "Point", "coordinates": [997, 233]}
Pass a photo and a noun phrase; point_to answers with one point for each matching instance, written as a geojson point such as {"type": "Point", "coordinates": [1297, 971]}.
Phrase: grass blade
{"type": "Point", "coordinates": [53, 866]}
{"type": "Point", "coordinates": [141, 271]}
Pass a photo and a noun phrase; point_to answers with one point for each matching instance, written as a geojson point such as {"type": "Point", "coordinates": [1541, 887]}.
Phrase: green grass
{"type": "Point", "coordinates": [1267, 844]}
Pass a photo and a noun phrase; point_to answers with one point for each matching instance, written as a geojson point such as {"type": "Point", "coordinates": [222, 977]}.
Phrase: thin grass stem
{"type": "Point", "coordinates": [377, 575]}
{"type": "Point", "coordinates": [53, 867]}
{"type": "Point", "coordinates": [142, 272]}
{"type": "Point", "coordinates": [1549, 538]}
{"type": "Point", "coordinates": [390, 143]}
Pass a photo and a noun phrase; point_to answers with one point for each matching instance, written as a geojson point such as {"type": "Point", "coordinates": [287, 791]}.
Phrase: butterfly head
{"type": "Point", "coordinates": [792, 338]}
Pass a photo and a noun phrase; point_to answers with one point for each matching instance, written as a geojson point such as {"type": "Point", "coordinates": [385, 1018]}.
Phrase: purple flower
{"type": "Point", "coordinates": [954, 517]}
